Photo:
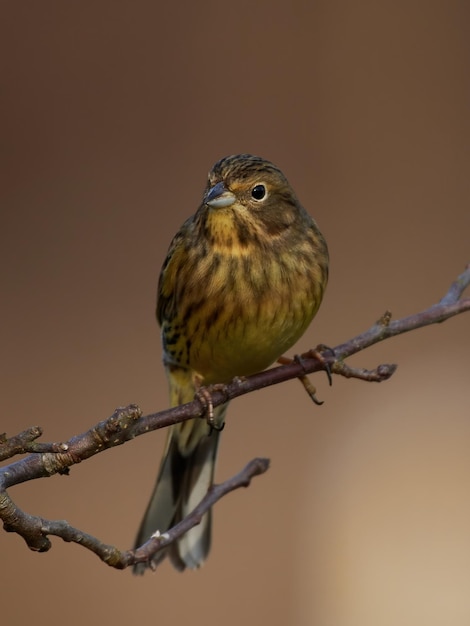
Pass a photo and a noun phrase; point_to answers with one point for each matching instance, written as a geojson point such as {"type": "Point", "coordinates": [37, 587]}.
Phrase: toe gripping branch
{"type": "Point", "coordinates": [204, 395]}
{"type": "Point", "coordinates": [316, 353]}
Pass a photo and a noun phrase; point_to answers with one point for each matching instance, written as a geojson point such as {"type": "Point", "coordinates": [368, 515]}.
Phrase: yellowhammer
{"type": "Point", "coordinates": [243, 278]}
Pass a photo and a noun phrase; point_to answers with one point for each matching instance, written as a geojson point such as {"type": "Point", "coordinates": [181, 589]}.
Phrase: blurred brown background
{"type": "Point", "coordinates": [113, 113]}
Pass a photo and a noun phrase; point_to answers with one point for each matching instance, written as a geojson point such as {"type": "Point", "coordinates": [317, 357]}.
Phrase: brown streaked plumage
{"type": "Point", "coordinates": [243, 279]}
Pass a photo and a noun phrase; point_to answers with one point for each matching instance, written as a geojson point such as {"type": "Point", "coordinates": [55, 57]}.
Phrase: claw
{"type": "Point", "coordinates": [218, 429]}
{"type": "Point", "coordinates": [310, 389]}
{"type": "Point", "coordinates": [317, 353]}
{"type": "Point", "coordinates": [306, 383]}
{"type": "Point", "coordinates": [203, 394]}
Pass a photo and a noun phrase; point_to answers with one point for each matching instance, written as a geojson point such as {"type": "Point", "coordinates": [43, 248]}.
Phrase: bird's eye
{"type": "Point", "coordinates": [258, 192]}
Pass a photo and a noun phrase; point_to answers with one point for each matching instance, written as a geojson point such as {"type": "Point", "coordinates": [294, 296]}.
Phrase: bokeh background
{"type": "Point", "coordinates": [112, 114]}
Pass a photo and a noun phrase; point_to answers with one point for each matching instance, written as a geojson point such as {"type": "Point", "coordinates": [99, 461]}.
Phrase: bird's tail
{"type": "Point", "coordinates": [186, 473]}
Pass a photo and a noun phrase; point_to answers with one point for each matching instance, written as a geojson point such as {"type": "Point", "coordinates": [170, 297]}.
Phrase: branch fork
{"type": "Point", "coordinates": [126, 423]}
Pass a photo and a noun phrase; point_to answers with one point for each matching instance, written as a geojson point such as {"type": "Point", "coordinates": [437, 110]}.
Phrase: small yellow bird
{"type": "Point", "coordinates": [242, 280]}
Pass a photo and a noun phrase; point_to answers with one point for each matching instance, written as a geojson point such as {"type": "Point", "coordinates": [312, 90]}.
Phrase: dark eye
{"type": "Point", "coordinates": [258, 192]}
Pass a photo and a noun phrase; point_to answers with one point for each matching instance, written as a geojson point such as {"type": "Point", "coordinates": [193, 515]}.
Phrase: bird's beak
{"type": "Point", "coordinates": [219, 196]}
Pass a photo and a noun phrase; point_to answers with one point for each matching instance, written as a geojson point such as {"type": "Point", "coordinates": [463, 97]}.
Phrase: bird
{"type": "Point", "coordinates": [242, 280]}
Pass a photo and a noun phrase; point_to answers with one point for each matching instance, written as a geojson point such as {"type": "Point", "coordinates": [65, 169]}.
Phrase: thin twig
{"type": "Point", "coordinates": [158, 542]}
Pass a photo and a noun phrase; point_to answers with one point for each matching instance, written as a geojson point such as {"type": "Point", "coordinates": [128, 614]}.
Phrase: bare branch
{"type": "Point", "coordinates": [35, 530]}
{"type": "Point", "coordinates": [126, 423]}
{"type": "Point", "coordinates": [144, 554]}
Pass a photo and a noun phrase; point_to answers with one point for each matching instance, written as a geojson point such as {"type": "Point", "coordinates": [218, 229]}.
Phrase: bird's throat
{"type": "Point", "coordinates": [232, 230]}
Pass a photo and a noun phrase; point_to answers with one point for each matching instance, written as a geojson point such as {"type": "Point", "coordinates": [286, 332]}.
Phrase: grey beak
{"type": "Point", "coordinates": [219, 196]}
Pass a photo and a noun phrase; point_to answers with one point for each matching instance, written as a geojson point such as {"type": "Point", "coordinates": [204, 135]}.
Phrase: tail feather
{"type": "Point", "coordinates": [192, 549]}
{"type": "Point", "coordinates": [186, 474]}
